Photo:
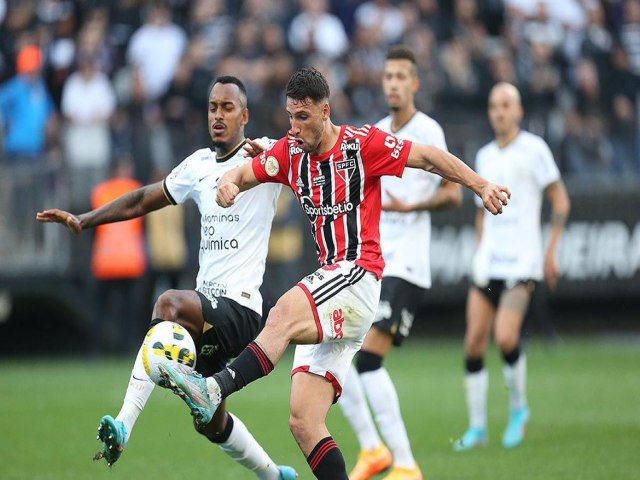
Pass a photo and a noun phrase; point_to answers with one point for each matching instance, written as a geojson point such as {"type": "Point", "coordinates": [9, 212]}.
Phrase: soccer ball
{"type": "Point", "coordinates": [168, 343]}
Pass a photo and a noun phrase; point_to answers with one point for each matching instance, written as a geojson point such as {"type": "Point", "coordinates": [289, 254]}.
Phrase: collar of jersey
{"type": "Point", "coordinates": [229, 155]}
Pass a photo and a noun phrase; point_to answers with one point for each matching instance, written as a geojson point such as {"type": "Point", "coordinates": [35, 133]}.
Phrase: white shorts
{"type": "Point", "coordinates": [344, 299]}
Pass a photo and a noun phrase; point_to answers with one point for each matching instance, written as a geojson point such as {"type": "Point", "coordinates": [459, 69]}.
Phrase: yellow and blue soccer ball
{"type": "Point", "coordinates": [168, 343]}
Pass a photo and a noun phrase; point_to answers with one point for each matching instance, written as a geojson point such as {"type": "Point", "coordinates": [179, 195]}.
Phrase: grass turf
{"type": "Point", "coordinates": [584, 396]}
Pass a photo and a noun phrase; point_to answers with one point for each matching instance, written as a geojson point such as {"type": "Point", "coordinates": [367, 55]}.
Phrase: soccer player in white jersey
{"type": "Point", "coordinates": [508, 262]}
{"type": "Point", "coordinates": [223, 313]}
{"type": "Point", "coordinates": [405, 235]}
{"type": "Point", "coordinates": [335, 173]}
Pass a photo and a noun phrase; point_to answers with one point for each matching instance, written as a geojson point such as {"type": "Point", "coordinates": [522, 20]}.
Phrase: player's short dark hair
{"type": "Point", "coordinates": [401, 52]}
{"type": "Point", "coordinates": [308, 83]}
{"type": "Point", "coordinates": [227, 79]}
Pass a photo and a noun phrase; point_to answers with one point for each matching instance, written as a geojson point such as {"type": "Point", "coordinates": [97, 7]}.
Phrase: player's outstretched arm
{"type": "Point", "coordinates": [233, 182]}
{"type": "Point", "coordinates": [435, 160]}
{"type": "Point", "coordinates": [132, 204]}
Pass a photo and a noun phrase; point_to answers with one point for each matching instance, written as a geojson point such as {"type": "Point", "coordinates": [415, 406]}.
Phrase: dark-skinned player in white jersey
{"type": "Point", "coordinates": [222, 314]}
{"type": "Point", "coordinates": [335, 173]}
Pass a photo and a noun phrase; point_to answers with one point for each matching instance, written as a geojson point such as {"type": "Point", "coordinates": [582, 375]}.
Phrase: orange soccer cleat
{"type": "Point", "coordinates": [399, 473]}
{"type": "Point", "coordinates": [371, 462]}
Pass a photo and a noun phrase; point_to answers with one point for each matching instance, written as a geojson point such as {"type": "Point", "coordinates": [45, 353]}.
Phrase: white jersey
{"type": "Point", "coordinates": [511, 243]}
{"type": "Point", "coordinates": [234, 240]}
{"type": "Point", "coordinates": [405, 237]}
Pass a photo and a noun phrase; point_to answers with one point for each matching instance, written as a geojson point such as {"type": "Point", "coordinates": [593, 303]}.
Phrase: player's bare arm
{"type": "Point", "coordinates": [560, 207]}
{"type": "Point", "coordinates": [132, 204]}
{"type": "Point", "coordinates": [233, 182]}
{"type": "Point", "coordinates": [449, 195]}
{"type": "Point", "coordinates": [435, 160]}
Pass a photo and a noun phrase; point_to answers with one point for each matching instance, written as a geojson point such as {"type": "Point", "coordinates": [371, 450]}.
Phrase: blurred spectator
{"type": "Point", "coordinates": [167, 244]}
{"type": "Point", "coordinates": [27, 110]}
{"type": "Point", "coordinates": [211, 24]}
{"type": "Point", "coordinates": [587, 153]}
{"type": "Point", "coordinates": [155, 50]}
{"type": "Point", "coordinates": [630, 33]}
{"type": "Point", "coordinates": [316, 31]}
{"type": "Point", "coordinates": [625, 116]}
{"type": "Point", "coordinates": [118, 264]}
{"type": "Point", "coordinates": [382, 16]}
{"type": "Point", "coordinates": [88, 103]}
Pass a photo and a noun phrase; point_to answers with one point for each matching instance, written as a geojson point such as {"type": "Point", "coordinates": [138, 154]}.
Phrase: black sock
{"type": "Point", "coordinates": [250, 365]}
{"type": "Point", "coordinates": [473, 365]}
{"type": "Point", "coordinates": [225, 434]}
{"type": "Point", "coordinates": [326, 461]}
{"type": "Point", "coordinates": [511, 357]}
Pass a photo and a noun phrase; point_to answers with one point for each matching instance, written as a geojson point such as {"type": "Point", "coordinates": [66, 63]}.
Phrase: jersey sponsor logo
{"type": "Point", "coordinates": [313, 211]}
{"type": "Point", "coordinates": [395, 144]}
{"type": "Point", "coordinates": [294, 150]}
{"type": "Point", "coordinates": [221, 217]}
{"type": "Point", "coordinates": [219, 244]}
{"type": "Point", "coordinates": [350, 146]}
{"type": "Point", "coordinates": [272, 167]}
{"type": "Point", "coordinates": [337, 319]}
{"type": "Point", "coordinates": [319, 181]}
{"type": "Point", "coordinates": [211, 290]}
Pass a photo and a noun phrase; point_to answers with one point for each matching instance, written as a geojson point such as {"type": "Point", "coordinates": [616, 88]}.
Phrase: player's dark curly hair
{"type": "Point", "coordinates": [308, 83]}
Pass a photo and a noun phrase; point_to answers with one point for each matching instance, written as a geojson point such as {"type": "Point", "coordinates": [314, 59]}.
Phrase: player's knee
{"type": "Point", "coordinates": [506, 340]}
{"type": "Point", "coordinates": [279, 318]}
{"type": "Point", "coordinates": [168, 306]}
{"type": "Point", "coordinates": [368, 362]}
{"type": "Point", "coordinates": [474, 344]}
{"type": "Point", "coordinates": [299, 426]}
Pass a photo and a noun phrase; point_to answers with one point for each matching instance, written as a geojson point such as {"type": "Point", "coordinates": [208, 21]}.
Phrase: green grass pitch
{"type": "Point", "coordinates": [584, 397]}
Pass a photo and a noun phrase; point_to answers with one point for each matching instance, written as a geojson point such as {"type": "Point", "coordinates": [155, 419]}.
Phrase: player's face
{"type": "Point", "coordinates": [505, 111]}
{"type": "Point", "coordinates": [399, 83]}
{"type": "Point", "coordinates": [228, 115]}
{"type": "Point", "coordinates": [307, 122]}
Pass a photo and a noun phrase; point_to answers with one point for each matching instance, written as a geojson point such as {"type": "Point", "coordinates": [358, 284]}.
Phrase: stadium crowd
{"type": "Point", "coordinates": [128, 78]}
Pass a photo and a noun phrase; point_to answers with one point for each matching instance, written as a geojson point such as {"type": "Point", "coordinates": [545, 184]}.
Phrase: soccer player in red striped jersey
{"type": "Point", "coordinates": [335, 173]}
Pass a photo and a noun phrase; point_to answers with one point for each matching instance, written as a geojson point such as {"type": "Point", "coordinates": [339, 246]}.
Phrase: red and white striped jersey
{"type": "Point", "coordinates": [340, 190]}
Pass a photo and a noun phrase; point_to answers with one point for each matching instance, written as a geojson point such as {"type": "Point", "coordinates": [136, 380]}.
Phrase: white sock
{"type": "Point", "coordinates": [138, 392]}
{"type": "Point", "coordinates": [476, 386]}
{"type": "Point", "coordinates": [354, 406]}
{"type": "Point", "coordinates": [383, 399]}
{"type": "Point", "coordinates": [245, 450]}
{"type": "Point", "coordinates": [515, 377]}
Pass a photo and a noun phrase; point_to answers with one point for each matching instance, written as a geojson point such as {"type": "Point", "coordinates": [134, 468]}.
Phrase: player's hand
{"type": "Point", "coordinates": [227, 193]}
{"type": "Point", "coordinates": [394, 204]}
{"type": "Point", "coordinates": [551, 271]}
{"type": "Point", "coordinates": [60, 216]}
{"type": "Point", "coordinates": [253, 148]}
{"type": "Point", "coordinates": [495, 197]}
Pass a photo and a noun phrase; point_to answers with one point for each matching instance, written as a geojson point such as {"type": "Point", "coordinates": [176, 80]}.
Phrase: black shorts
{"type": "Point", "coordinates": [399, 301]}
{"type": "Point", "coordinates": [229, 327]}
{"type": "Point", "coordinates": [494, 289]}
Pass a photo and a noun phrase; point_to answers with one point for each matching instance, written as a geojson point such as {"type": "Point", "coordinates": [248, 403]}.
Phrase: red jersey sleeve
{"type": "Point", "coordinates": [385, 154]}
{"type": "Point", "coordinates": [273, 164]}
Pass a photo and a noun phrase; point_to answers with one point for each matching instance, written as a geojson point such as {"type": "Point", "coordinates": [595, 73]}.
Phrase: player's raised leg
{"type": "Point", "coordinates": [511, 311]}
{"type": "Point", "coordinates": [480, 313]}
{"type": "Point", "coordinates": [290, 320]}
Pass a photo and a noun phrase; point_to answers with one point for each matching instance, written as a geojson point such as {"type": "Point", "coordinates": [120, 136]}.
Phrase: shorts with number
{"type": "Point", "coordinates": [399, 301]}
{"type": "Point", "coordinates": [344, 298]}
{"type": "Point", "coordinates": [228, 328]}
{"type": "Point", "coordinates": [494, 289]}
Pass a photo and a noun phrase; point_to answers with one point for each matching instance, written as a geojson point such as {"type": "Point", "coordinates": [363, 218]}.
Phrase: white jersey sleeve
{"type": "Point", "coordinates": [179, 184]}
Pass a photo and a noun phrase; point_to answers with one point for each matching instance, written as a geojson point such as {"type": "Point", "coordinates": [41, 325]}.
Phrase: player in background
{"type": "Point", "coordinates": [335, 173]}
{"type": "Point", "coordinates": [405, 235]}
{"type": "Point", "coordinates": [508, 262]}
{"type": "Point", "coordinates": [223, 313]}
